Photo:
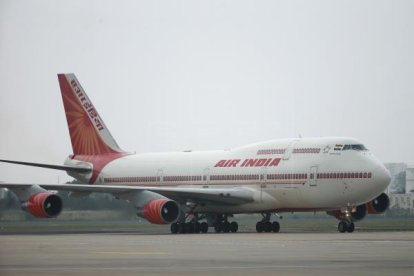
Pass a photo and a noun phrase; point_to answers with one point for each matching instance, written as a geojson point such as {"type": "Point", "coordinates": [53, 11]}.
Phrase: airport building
{"type": "Point", "coordinates": [409, 179]}
{"type": "Point", "coordinates": [402, 201]}
{"type": "Point", "coordinates": [398, 178]}
{"type": "Point", "coordinates": [401, 188]}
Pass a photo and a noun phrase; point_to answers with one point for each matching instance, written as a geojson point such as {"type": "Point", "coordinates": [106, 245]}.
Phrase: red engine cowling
{"type": "Point", "coordinates": [161, 211]}
{"type": "Point", "coordinates": [378, 205]}
{"type": "Point", "coordinates": [44, 205]}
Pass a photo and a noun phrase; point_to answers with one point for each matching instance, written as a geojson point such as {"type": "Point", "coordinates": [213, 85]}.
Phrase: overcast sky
{"type": "Point", "coordinates": [201, 75]}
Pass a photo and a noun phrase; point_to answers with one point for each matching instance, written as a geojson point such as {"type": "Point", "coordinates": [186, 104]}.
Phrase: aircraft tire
{"type": "Point", "coordinates": [351, 227]}
{"type": "Point", "coordinates": [234, 227]}
{"type": "Point", "coordinates": [259, 227]}
{"type": "Point", "coordinates": [174, 228]}
{"type": "Point", "coordinates": [275, 226]}
{"type": "Point", "coordinates": [218, 228]}
{"type": "Point", "coordinates": [196, 227]}
{"type": "Point", "coordinates": [226, 227]}
{"type": "Point", "coordinates": [267, 226]}
{"type": "Point", "coordinates": [189, 227]}
{"type": "Point", "coordinates": [181, 228]}
{"type": "Point", "coordinates": [204, 227]}
{"type": "Point", "coordinates": [342, 226]}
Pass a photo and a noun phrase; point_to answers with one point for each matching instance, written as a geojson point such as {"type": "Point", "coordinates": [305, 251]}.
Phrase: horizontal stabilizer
{"type": "Point", "coordinates": [54, 167]}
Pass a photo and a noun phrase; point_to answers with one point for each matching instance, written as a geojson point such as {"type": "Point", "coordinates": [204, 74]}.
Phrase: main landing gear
{"type": "Point", "coordinates": [265, 225]}
{"type": "Point", "coordinates": [192, 226]}
{"type": "Point", "coordinates": [220, 222]}
{"type": "Point", "coordinates": [226, 227]}
{"type": "Point", "coordinates": [189, 227]}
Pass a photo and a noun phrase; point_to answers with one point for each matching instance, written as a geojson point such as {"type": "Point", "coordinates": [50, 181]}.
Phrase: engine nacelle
{"type": "Point", "coordinates": [161, 211]}
{"type": "Point", "coordinates": [359, 213]}
{"type": "Point", "coordinates": [378, 205]}
{"type": "Point", "coordinates": [43, 205]}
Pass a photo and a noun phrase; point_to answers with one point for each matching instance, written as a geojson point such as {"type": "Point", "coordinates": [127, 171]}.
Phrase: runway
{"type": "Point", "coordinates": [376, 253]}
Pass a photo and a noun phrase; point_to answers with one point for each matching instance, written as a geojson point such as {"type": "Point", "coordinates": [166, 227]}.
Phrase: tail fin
{"type": "Point", "coordinates": [88, 133]}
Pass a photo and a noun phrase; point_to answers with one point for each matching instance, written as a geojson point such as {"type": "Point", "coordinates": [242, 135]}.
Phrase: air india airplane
{"type": "Point", "coordinates": [195, 190]}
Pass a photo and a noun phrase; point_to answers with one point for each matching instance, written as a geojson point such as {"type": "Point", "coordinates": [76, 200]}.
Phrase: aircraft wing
{"type": "Point", "coordinates": [226, 196]}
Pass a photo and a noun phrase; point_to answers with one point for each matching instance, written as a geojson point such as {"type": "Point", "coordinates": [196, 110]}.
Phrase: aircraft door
{"type": "Point", "coordinates": [206, 177]}
{"type": "Point", "coordinates": [160, 175]}
{"type": "Point", "coordinates": [313, 176]}
{"type": "Point", "coordinates": [263, 180]}
{"type": "Point", "coordinates": [289, 150]}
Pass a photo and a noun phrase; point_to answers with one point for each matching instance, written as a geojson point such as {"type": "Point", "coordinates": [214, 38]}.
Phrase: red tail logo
{"type": "Point", "coordinates": [88, 133]}
{"type": "Point", "coordinates": [91, 140]}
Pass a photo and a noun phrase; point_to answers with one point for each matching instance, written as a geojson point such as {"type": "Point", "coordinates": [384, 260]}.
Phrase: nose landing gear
{"type": "Point", "coordinates": [346, 226]}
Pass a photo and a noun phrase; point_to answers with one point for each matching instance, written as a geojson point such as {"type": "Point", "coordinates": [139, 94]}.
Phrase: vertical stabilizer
{"type": "Point", "coordinates": [88, 133]}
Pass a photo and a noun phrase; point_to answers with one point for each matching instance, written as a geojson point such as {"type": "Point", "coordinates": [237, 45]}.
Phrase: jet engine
{"type": "Point", "coordinates": [359, 213]}
{"type": "Point", "coordinates": [43, 205]}
{"type": "Point", "coordinates": [378, 205]}
{"type": "Point", "coordinates": [161, 211]}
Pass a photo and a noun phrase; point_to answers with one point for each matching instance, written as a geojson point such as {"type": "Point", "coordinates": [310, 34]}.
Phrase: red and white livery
{"type": "Point", "coordinates": [195, 190]}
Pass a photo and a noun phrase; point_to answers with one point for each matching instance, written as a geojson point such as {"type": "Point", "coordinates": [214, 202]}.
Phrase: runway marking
{"type": "Point", "coordinates": [130, 253]}
{"type": "Point", "coordinates": [189, 268]}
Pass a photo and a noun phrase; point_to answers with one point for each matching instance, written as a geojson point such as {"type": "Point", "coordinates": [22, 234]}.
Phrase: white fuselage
{"type": "Point", "coordinates": [286, 175]}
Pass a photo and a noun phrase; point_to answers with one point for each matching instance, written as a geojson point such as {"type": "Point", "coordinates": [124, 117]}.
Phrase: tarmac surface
{"type": "Point", "coordinates": [359, 253]}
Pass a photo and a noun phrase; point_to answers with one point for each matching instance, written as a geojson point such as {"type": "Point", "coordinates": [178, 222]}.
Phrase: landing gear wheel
{"type": "Point", "coordinates": [342, 226]}
{"type": "Point", "coordinates": [217, 228]}
{"type": "Point", "coordinates": [196, 227]}
{"type": "Point", "coordinates": [275, 227]}
{"type": "Point", "coordinates": [234, 227]}
{"type": "Point", "coordinates": [259, 227]}
{"type": "Point", "coordinates": [226, 227]}
{"type": "Point", "coordinates": [204, 227]}
{"type": "Point", "coordinates": [174, 228]}
{"type": "Point", "coordinates": [181, 228]}
{"type": "Point", "coordinates": [189, 227]}
{"type": "Point", "coordinates": [351, 227]}
{"type": "Point", "coordinates": [267, 226]}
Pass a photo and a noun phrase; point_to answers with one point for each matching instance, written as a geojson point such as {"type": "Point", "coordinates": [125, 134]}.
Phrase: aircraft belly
{"type": "Point", "coordinates": [335, 194]}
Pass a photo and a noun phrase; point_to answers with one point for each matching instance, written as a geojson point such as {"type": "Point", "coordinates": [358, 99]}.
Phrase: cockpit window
{"type": "Point", "coordinates": [358, 147]}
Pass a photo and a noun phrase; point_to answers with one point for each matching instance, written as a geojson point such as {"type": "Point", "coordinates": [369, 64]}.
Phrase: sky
{"type": "Point", "coordinates": [205, 75]}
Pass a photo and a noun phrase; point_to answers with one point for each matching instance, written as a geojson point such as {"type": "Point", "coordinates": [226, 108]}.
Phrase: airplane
{"type": "Point", "coordinates": [195, 190]}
